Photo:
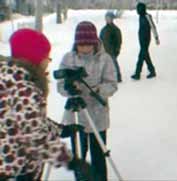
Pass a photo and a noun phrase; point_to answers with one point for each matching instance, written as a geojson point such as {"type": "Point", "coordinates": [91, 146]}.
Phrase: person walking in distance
{"type": "Point", "coordinates": [146, 25]}
{"type": "Point", "coordinates": [112, 40]}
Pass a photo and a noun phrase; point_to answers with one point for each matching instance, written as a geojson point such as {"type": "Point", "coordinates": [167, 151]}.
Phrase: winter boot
{"type": "Point", "coordinates": [119, 80]}
{"type": "Point", "coordinates": [135, 77]}
{"type": "Point", "coordinates": [151, 75]}
{"type": "Point", "coordinates": [83, 170]}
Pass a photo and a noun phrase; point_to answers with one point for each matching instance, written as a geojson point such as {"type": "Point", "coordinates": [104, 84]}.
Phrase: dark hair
{"type": "Point", "coordinates": [96, 48]}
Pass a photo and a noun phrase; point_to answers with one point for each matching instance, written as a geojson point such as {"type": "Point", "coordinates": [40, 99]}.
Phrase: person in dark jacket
{"type": "Point", "coordinates": [112, 40]}
{"type": "Point", "coordinates": [145, 26]}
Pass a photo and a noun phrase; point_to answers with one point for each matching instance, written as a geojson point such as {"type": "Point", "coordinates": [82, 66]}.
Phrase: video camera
{"type": "Point", "coordinates": [73, 74]}
{"type": "Point", "coordinates": [69, 76]}
{"type": "Point", "coordinates": [77, 74]}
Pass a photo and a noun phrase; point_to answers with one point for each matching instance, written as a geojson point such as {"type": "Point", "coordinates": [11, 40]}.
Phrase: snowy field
{"type": "Point", "coordinates": [142, 136]}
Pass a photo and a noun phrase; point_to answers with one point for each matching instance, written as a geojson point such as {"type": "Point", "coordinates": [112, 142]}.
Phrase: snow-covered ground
{"type": "Point", "coordinates": [142, 136]}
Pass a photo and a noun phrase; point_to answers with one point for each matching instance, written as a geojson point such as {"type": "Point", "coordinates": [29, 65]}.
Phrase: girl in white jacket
{"type": "Point", "coordinates": [102, 78]}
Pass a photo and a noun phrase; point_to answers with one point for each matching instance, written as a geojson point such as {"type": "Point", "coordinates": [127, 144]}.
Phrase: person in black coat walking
{"type": "Point", "coordinates": [112, 39]}
{"type": "Point", "coordinates": [145, 26]}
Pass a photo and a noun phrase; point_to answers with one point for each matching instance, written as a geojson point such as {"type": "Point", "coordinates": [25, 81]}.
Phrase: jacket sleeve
{"type": "Point", "coordinates": [119, 41]}
{"type": "Point", "coordinates": [153, 28]}
{"type": "Point", "coordinates": [41, 139]}
{"type": "Point", "coordinates": [108, 85]}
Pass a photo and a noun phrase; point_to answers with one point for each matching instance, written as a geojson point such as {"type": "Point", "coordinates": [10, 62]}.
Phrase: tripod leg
{"type": "Point", "coordinates": [77, 139]}
{"type": "Point", "coordinates": [77, 151]}
{"type": "Point", "coordinates": [102, 145]}
{"type": "Point", "coordinates": [48, 171]}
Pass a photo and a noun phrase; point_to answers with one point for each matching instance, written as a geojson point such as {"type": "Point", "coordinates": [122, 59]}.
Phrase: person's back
{"type": "Point", "coordinates": [111, 38]}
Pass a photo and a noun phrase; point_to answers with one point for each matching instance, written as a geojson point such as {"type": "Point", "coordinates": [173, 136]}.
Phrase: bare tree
{"type": "Point", "coordinates": [59, 12]}
{"type": "Point", "coordinates": [39, 13]}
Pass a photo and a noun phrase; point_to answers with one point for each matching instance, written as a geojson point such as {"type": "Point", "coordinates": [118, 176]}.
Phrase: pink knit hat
{"type": "Point", "coordinates": [29, 45]}
{"type": "Point", "coordinates": [86, 33]}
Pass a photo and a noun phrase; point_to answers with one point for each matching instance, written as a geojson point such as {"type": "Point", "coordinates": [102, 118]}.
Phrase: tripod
{"type": "Point", "coordinates": [76, 104]}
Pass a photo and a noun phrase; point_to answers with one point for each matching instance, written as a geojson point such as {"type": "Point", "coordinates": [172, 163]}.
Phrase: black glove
{"type": "Point", "coordinates": [82, 169]}
{"type": "Point", "coordinates": [71, 129]}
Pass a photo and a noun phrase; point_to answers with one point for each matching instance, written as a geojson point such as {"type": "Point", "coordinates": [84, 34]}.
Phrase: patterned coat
{"type": "Point", "coordinates": [102, 76]}
{"type": "Point", "coordinates": [27, 137]}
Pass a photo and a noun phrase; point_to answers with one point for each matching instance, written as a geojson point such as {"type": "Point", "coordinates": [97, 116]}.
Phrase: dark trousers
{"type": "Point", "coordinates": [117, 67]}
{"type": "Point", "coordinates": [144, 56]}
{"type": "Point", "coordinates": [98, 161]}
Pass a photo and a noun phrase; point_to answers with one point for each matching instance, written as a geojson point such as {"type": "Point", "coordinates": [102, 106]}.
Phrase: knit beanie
{"type": "Point", "coordinates": [29, 45]}
{"type": "Point", "coordinates": [86, 33]}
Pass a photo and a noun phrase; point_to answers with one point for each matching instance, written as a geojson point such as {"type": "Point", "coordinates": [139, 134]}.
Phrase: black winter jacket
{"type": "Point", "coordinates": [112, 39]}
{"type": "Point", "coordinates": [144, 31]}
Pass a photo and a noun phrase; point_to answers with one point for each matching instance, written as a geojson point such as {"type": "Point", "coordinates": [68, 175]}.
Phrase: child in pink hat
{"type": "Point", "coordinates": [28, 139]}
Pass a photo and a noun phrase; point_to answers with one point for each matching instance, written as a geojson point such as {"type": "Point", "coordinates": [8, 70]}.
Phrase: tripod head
{"type": "Point", "coordinates": [75, 104]}
{"type": "Point", "coordinates": [70, 76]}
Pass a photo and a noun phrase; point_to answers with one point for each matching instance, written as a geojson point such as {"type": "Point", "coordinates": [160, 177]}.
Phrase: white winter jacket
{"type": "Point", "coordinates": [102, 76]}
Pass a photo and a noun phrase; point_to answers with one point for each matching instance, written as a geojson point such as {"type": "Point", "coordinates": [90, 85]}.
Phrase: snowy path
{"type": "Point", "coordinates": [143, 136]}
